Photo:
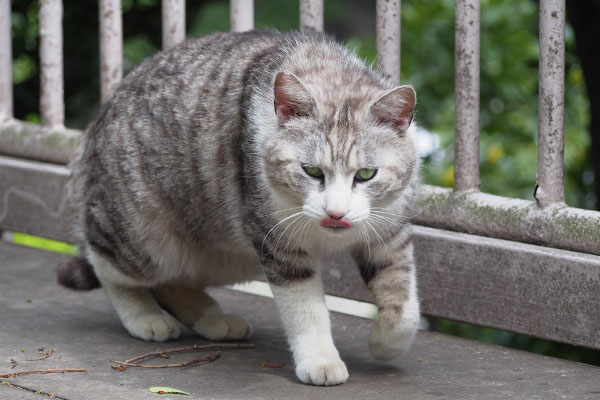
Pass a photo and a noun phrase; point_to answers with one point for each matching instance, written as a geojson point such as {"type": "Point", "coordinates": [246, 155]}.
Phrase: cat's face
{"type": "Point", "coordinates": [343, 181]}
{"type": "Point", "coordinates": [343, 172]}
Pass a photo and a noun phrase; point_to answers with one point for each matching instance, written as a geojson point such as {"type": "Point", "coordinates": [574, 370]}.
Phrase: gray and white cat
{"type": "Point", "coordinates": [241, 153]}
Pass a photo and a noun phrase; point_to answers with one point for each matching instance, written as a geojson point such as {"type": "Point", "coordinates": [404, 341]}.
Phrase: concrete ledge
{"type": "Point", "coordinates": [87, 334]}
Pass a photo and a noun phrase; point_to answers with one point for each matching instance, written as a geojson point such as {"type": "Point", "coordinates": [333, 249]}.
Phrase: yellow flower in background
{"type": "Point", "coordinates": [576, 76]}
{"type": "Point", "coordinates": [448, 176]}
{"type": "Point", "coordinates": [495, 152]}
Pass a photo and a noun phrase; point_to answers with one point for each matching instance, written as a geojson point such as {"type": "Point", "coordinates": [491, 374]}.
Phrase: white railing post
{"type": "Point", "coordinates": [241, 15]}
{"type": "Point", "coordinates": [111, 47]}
{"type": "Point", "coordinates": [388, 38]}
{"type": "Point", "coordinates": [173, 22]}
{"type": "Point", "coordinates": [52, 107]}
{"type": "Point", "coordinates": [6, 94]}
{"type": "Point", "coordinates": [466, 93]}
{"type": "Point", "coordinates": [311, 15]}
{"type": "Point", "coordinates": [550, 186]}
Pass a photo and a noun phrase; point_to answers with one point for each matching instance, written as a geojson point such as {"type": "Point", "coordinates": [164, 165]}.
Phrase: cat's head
{"type": "Point", "coordinates": [344, 161]}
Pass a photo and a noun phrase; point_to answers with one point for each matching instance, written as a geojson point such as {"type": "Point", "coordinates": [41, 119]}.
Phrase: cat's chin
{"type": "Point", "coordinates": [336, 230]}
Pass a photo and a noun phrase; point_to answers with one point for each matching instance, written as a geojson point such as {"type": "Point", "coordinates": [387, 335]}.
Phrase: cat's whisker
{"type": "Point", "coordinates": [303, 232]}
{"type": "Point", "coordinates": [386, 212]}
{"type": "Point", "coordinates": [292, 233]}
{"type": "Point", "coordinates": [287, 209]}
{"type": "Point", "coordinates": [379, 238]}
{"type": "Point", "coordinates": [275, 226]}
{"type": "Point", "coordinates": [298, 217]}
{"type": "Point", "coordinates": [367, 242]}
{"type": "Point", "coordinates": [396, 218]}
{"type": "Point", "coordinates": [296, 238]}
{"type": "Point", "coordinates": [387, 220]}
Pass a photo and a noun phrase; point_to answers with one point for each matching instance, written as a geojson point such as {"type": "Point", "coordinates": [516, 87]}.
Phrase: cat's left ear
{"type": "Point", "coordinates": [396, 107]}
{"type": "Point", "coordinates": [292, 98]}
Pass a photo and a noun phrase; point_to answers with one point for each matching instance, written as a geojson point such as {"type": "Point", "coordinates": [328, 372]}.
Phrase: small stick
{"type": "Point", "coordinates": [51, 395]}
{"type": "Point", "coordinates": [48, 354]}
{"type": "Point", "coordinates": [41, 371]}
{"type": "Point", "coordinates": [209, 358]}
{"type": "Point", "coordinates": [162, 353]}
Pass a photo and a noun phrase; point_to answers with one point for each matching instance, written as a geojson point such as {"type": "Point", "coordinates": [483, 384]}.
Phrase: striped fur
{"type": "Point", "coordinates": [192, 176]}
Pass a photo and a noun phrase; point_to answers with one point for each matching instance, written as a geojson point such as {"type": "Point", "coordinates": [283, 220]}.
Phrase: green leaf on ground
{"type": "Point", "coordinates": [167, 390]}
{"type": "Point", "coordinates": [44, 244]}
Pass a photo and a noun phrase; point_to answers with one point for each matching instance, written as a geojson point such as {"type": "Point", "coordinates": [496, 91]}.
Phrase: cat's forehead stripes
{"type": "Point", "coordinates": [341, 149]}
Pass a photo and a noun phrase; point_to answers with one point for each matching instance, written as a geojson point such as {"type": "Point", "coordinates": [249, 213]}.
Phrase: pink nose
{"type": "Point", "coordinates": [335, 214]}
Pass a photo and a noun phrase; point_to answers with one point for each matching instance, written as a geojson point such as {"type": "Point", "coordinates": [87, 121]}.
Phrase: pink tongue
{"type": "Point", "coordinates": [335, 223]}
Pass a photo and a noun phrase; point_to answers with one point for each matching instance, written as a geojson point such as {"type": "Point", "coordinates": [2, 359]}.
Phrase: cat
{"type": "Point", "coordinates": [237, 154]}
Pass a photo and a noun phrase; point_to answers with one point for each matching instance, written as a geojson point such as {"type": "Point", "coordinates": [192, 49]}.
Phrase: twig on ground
{"type": "Point", "coordinates": [30, 390]}
{"type": "Point", "coordinates": [48, 354]}
{"type": "Point", "coordinates": [209, 358]}
{"type": "Point", "coordinates": [163, 353]}
{"type": "Point", "coordinates": [41, 371]}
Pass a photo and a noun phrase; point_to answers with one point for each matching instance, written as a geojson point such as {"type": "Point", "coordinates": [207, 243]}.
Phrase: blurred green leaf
{"type": "Point", "coordinates": [167, 390]}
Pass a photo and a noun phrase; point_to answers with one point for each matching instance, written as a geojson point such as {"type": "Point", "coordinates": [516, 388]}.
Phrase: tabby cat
{"type": "Point", "coordinates": [238, 154]}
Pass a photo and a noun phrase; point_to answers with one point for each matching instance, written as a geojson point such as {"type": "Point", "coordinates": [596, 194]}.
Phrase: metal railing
{"type": "Point", "coordinates": [547, 221]}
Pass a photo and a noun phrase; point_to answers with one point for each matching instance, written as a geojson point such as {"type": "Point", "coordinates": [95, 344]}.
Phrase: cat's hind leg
{"type": "Point", "coordinates": [200, 312]}
{"type": "Point", "coordinates": [135, 305]}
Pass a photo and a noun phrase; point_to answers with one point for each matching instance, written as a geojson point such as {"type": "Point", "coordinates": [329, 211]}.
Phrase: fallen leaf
{"type": "Point", "coordinates": [270, 365]}
{"type": "Point", "coordinates": [167, 390]}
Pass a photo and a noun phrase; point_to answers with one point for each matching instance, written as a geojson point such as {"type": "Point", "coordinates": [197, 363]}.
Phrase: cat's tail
{"type": "Point", "coordinates": [78, 274]}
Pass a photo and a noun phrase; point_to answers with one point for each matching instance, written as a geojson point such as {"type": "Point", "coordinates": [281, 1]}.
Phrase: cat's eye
{"type": "Point", "coordinates": [313, 171]}
{"type": "Point", "coordinates": [365, 174]}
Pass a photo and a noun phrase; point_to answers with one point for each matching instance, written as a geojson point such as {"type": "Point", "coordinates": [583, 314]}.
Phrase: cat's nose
{"type": "Point", "coordinates": [335, 214]}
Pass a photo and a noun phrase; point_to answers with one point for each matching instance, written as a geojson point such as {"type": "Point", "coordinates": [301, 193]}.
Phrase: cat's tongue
{"type": "Point", "coordinates": [335, 223]}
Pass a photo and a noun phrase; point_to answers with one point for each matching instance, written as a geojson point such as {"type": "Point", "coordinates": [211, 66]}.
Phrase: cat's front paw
{"type": "Point", "coordinates": [152, 327]}
{"type": "Point", "coordinates": [222, 327]}
{"type": "Point", "coordinates": [389, 340]}
{"type": "Point", "coordinates": [322, 371]}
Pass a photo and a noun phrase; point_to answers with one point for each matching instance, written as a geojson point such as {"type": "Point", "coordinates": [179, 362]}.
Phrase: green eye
{"type": "Point", "coordinates": [313, 171]}
{"type": "Point", "coordinates": [365, 174]}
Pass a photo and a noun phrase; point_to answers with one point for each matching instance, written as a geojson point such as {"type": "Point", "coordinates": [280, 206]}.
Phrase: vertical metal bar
{"type": "Point", "coordinates": [173, 22]}
{"type": "Point", "coordinates": [388, 38]}
{"type": "Point", "coordinates": [241, 15]}
{"type": "Point", "coordinates": [111, 47]}
{"type": "Point", "coordinates": [311, 15]}
{"type": "Point", "coordinates": [6, 95]}
{"type": "Point", "coordinates": [550, 188]}
{"type": "Point", "coordinates": [466, 92]}
{"type": "Point", "coordinates": [52, 107]}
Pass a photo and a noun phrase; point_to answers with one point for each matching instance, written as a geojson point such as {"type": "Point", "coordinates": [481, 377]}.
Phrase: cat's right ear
{"type": "Point", "coordinates": [292, 99]}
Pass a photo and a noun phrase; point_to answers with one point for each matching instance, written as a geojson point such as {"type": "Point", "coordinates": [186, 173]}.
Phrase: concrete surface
{"type": "Point", "coordinates": [35, 312]}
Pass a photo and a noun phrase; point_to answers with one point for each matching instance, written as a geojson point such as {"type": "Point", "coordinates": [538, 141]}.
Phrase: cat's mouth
{"type": "Point", "coordinates": [335, 224]}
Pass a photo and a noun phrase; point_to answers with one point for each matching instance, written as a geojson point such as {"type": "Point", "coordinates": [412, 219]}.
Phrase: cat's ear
{"type": "Point", "coordinates": [395, 107]}
{"type": "Point", "coordinates": [292, 99]}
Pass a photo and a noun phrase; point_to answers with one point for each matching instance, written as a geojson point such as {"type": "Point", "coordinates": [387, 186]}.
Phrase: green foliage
{"type": "Point", "coordinates": [212, 17]}
{"type": "Point", "coordinates": [135, 50]}
{"type": "Point", "coordinates": [515, 341]}
{"type": "Point", "coordinates": [509, 92]}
